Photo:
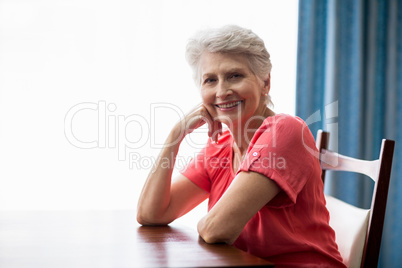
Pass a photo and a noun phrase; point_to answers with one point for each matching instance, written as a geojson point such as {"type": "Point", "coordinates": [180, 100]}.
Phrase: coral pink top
{"type": "Point", "coordinates": [293, 228]}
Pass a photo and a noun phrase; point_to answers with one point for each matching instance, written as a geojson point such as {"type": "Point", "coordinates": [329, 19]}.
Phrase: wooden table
{"type": "Point", "coordinates": [107, 239]}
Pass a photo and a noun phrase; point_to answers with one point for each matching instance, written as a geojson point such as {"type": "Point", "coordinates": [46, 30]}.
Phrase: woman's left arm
{"type": "Point", "coordinates": [247, 194]}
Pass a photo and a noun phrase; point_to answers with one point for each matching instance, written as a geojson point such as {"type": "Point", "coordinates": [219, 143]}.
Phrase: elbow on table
{"type": "Point", "coordinates": [215, 235]}
{"type": "Point", "coordinates": [214, 238]}
{"type": "Point", "coordinates": [141, 220]}
{"type": "Point", "coordinates": [150, 221]}
{"type": "Point", "coordinates": [211, 239]}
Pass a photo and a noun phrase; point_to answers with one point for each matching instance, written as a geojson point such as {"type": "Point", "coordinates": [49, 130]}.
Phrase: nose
{"type": "Point", "coordinates": [223, 90]}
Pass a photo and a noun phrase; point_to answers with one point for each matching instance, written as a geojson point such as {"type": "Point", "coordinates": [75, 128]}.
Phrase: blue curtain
{"type": "Point", "coordinates": [349, 82]}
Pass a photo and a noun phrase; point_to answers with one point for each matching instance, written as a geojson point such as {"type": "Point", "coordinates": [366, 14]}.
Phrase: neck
{"type": "Point", "coordinates": [243, 132]}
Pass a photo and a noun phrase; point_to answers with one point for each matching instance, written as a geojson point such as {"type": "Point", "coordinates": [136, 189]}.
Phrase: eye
{"type": "Point", "coordinates": [209, 80]}
{"type": "Point", "coordinates": [235, 76]}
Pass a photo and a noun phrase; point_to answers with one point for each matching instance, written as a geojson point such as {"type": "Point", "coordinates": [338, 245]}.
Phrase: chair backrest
{"type": "Point", "coordinates": [358, 231]}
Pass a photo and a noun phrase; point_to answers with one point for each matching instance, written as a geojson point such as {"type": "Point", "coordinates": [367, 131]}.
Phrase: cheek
{"type": "Point", "coordinates": [249, 91]}
{"type": "Point", "coordinates": [208, 100]}
{"type": "Point", "coordinates": [206, 96]}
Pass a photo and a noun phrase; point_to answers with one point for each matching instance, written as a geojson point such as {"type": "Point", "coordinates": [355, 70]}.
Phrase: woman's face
{"type": "Point", "coordinates": [231, 93]}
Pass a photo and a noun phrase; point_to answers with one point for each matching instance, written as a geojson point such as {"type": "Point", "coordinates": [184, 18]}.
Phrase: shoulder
{"type": "Point", "coordinates": [284, 151]}
{"type": "Point", "coordinates": [281, 128]}
{"type": "Point", "coordinates": [284, 137]}
{"type": "Point", "coordinates": [283, 122]}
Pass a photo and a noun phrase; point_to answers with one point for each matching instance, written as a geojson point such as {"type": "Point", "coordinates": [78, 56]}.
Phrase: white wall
{"type": "Point", "coordinates": [67, 67]}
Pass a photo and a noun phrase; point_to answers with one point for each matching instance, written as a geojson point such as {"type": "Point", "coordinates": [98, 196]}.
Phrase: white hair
{"type": "Point", "coordinates": [230, 39]}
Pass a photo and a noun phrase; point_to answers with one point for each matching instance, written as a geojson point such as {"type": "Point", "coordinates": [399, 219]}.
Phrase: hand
{"type": "Point", "coordinates": [197, 118]}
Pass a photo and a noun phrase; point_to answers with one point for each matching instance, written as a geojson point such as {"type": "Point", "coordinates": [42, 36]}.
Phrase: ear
{"type": "Point", "coordinates": [267, 85]}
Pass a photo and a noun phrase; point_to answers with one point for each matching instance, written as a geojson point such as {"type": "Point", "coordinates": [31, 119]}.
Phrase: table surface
{"type": "Point", "coordinates": [107, 239]}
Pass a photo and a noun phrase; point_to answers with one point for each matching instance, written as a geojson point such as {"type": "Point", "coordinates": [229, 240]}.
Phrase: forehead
{"type": "Point", "coordinates": [222, 62]}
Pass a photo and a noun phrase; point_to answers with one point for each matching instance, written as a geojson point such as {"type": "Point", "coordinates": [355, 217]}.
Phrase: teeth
{"type": "Point", "coordinates": [229, 105]}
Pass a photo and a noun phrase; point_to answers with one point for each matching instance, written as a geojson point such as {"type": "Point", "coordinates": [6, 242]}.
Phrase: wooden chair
{"type": "Point", "coordinates": [358, 231]}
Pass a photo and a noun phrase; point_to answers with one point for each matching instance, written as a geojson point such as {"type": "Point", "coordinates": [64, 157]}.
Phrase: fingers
{"type": "Point", "coordinates": [216, 130]}
{"type": "Point", "coordinates": [194, 122]}
{"type": "Point", "coordinates": [198, 117]}
{"type": "Point", "coordinates": [214, 126]}
{"type": "Point", "coordinates": [209, 120]}
{"type": "Point", "coordinates": [195, 119]}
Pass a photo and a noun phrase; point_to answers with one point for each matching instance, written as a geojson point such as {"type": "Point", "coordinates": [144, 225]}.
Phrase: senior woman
{"type": "Point", "coordinates": [263, 183]}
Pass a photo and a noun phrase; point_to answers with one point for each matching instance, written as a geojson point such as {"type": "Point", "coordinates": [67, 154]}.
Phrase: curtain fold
{"type": "Point", "coordinates": [349, 82]}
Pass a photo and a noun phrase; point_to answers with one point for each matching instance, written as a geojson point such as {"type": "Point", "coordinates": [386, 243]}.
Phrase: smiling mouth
{"type": "Point", "coordinates": [228, 105]}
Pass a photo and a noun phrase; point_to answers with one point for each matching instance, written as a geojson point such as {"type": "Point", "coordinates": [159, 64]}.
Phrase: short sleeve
{"type": "Point", "coordinates": [281, 150]}
{"type": "Point", "coordinates": [196, 171]}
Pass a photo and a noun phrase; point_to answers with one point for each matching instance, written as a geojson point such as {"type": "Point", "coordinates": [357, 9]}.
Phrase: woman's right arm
{"type": "Point", "coordinates": [162, 201]}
